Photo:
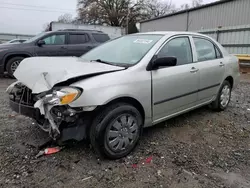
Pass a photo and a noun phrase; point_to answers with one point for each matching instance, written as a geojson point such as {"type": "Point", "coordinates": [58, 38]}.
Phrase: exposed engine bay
{"type": "Point", "coordinates": [49, 111]}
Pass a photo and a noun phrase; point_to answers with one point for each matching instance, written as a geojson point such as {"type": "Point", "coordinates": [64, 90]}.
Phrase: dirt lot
{"type": "Point", "coordinates": [198, 149]}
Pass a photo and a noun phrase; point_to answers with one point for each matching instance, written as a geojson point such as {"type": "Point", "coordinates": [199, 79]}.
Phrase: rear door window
{"type": "Point", "coordinates": [100, 37]}
{"type": "Point", "coordinates": [205, 49]}
{"type": "Point", "coordinates": [78, 38]}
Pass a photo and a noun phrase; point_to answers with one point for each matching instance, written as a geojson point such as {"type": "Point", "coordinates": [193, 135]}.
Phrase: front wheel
{"type": "Point", "coordinates": [116, 130]}
{"type": "Point", "coordinates": [12, 65]}
{"type": "Point", "coordinates": [223, 97]}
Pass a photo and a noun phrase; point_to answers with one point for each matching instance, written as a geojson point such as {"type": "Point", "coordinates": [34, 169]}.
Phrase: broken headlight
{"type": "Point", "coordinates": [63, 96]}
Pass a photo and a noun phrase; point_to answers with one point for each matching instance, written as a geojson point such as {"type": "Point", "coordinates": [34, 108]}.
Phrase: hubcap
{"type": "Point", "coordinates": [14, 66]}
{"type": "Point", "coordinates": [122, 132]}
{"type": "Point", "coordinates": [225, 96]}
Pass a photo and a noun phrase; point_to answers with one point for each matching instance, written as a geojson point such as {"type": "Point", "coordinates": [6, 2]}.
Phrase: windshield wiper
{"type": "Point", "coordinates": [109, 63]}
{"type": "Point", "coordinates": [101, 61]}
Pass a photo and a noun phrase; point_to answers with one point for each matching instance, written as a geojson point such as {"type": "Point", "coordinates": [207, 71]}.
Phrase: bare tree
{"type": "Point", "coordinates": [119, 12]}
{"type": "Point", "coordinates": [46, 27]}
{"type": "Point", "coordinates": [185, 6]}
{"type": "Point", "coordinates": [110, 12]}
{"type": "Point", "coordinates": [195, 3]}
{"type": "Point", "coordinates": [158, 8]}
{"type": "Point", "coordinates": [65, 18]}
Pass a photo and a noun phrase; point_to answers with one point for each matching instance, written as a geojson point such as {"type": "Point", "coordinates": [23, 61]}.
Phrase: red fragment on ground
{"type": "Point", "coordinates": [50, 151]}
{"type": "Point", "coordinates": [149, 159]}
{"type": "Point", "coordinates": [134, 166]}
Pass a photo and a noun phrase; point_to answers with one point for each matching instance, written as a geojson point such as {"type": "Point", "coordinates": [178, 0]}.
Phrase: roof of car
{"type": "Point", "coordinates": [79, 31]}
{"type": "Point", "coordinates": [170, 33]}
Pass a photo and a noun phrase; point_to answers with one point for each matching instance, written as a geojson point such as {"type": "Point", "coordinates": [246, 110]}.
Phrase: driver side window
{"type": "Point", "coordinates": [180, 48]}
{"type": "Point", "coordinates": [55, 40]}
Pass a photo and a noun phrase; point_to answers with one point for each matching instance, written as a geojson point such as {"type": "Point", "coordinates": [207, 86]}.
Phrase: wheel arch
{"type": "Point", "coordinates": [230, 80]}
{"type": "Point", "coordinates": [129, 100]}
{"type": "Point", "coordinates": [12, 55]}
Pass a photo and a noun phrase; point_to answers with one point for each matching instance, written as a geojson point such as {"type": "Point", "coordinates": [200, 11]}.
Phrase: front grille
{"type": "Point", "coordinates": [22, 95]}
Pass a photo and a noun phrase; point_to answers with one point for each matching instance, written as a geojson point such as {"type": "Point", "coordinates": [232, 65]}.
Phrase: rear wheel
{"type": "Point", "coordinates": [223, 97]}
{"type": "Point", "coordinates": [12, 65]}
{"type": "Point", "coordinates": [116, 130]}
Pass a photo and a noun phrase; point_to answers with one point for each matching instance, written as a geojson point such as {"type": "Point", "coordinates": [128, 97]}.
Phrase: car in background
{"type": "Point", "coordinates": [15, 41]}
{"type": "Point", "coordinates": [68, 42]}
{"type": "Point", "coordinates": [111, 93]}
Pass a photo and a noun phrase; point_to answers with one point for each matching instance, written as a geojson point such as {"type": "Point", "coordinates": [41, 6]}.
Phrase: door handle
{"type": "Point", "coordinates": [222, 64]}
{"type": "Point", "coordinates": [63, 47]}
{"type": "Point", "coordinates": [194, 70]}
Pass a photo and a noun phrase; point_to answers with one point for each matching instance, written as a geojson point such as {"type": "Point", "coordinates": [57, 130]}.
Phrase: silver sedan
{"type": "Point", "coordinates": [109, 94]}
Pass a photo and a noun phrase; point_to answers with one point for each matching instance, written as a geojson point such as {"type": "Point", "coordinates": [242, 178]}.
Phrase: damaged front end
{"type": "Point", "coordinates": [50, 110]}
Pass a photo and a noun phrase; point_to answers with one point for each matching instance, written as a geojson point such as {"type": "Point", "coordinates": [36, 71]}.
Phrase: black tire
{"type": "Point", "coordinates": [10, 63]}
{"type": "Point", "coordinates": [216, 105]}
{"type": "Point", "coordinates": [103, 123]}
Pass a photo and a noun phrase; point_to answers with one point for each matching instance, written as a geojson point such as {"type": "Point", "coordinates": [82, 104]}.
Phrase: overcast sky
{"type": "Point", "coordinates": [30, 16]}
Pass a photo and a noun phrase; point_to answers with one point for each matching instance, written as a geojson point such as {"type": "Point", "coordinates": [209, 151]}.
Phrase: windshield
{"type": "Point", "coordinates": [128, 50]}
{"type": "Point", "coordinates": [34, 38]}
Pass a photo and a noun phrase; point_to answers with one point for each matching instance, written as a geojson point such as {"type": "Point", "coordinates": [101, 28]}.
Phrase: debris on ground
{"type": "Point", "coordinates": [49, 151]}
{"type": "Point", "coordinates": [87, 178]}
{"type": "Point", "coordinates": [134, 166]}
{"type": "Point", "coordinates": [149, 160]}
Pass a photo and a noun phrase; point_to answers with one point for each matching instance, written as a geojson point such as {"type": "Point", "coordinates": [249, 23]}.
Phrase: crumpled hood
{"type": "Point", "coordinates": [42, 73]}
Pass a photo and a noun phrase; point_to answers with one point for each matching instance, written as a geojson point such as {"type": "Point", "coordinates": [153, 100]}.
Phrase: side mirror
{"type": "Point", "coordinates": [162, 62]}
{"type": "Point", "coordinates": [41, 42]}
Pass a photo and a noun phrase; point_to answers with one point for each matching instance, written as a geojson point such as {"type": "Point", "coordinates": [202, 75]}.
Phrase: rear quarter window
{"type": "Point", "coordinates": [100, 37]}
{"type": "Point", "coordinates": [78, 38]}
{"type": "Point", "coordinates": [205, 49]}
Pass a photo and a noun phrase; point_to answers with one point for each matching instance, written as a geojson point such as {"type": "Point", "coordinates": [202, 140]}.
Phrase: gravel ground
{"type": "Point", "coordinates": [199, 149]}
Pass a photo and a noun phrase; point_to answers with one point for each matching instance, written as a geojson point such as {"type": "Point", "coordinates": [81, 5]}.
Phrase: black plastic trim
{"type": "Point", "coordinates": [186, 94]}
{"type": "Point", "coordinates": [236, 45]}
{"type": "Point", "coordinates": [209, 87]}
{"type": "Point", "coordinates": [225, 30]}
{"type": "Point", "coordinates": [172, 98]}
{"type": "Point", "coordinates": [23, 109]}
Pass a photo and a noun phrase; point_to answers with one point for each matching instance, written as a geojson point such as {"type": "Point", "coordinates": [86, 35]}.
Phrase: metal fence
{"type": "Point", "coordinates": [4, 37]}
{"type": "Point", "coordinates": [235, 39]}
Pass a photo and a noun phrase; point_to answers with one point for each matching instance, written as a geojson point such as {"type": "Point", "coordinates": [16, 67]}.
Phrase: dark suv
{"type": "Point", "coordinates": [56, 43]}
